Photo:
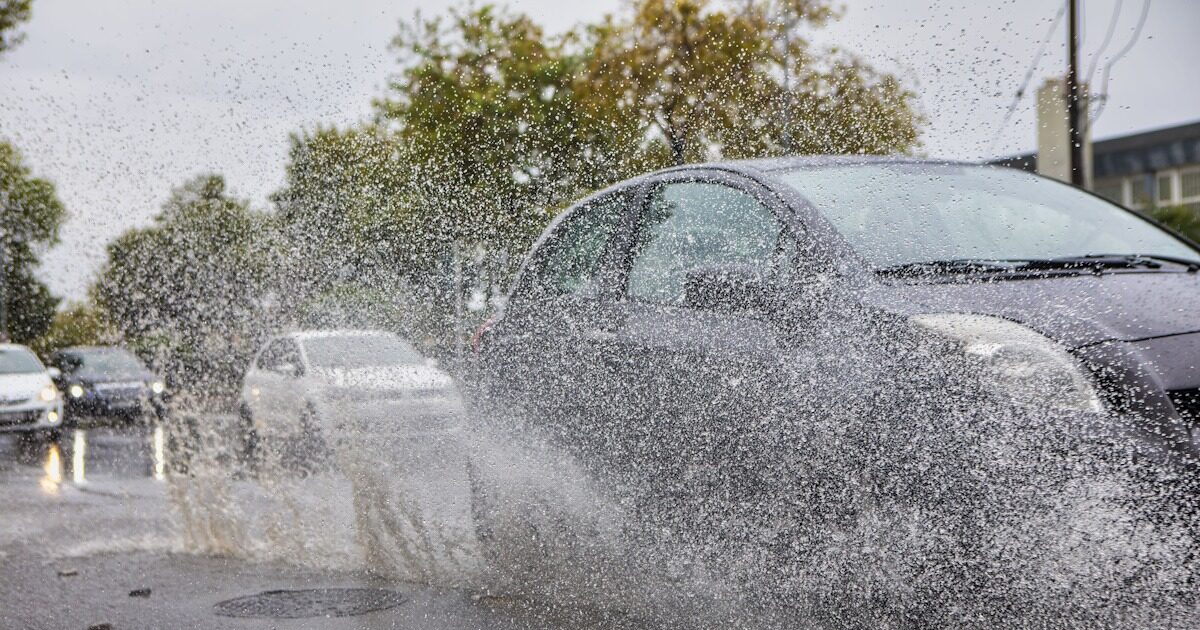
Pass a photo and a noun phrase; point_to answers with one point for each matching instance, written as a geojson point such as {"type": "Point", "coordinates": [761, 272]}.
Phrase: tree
{"type": "Point", "coordinates": [485, 109]}
{"type": "Point", "coordinates": [354, 248]}
{"type": "Point", "coordinates": [30, 217]}
{"type": "Point", "coordinates": [188, 291]}
{"type": "Point", "coordinates": [342, 215]}
{"type": "Point", "coordinates": [1182, 219]}
{"type": "Point", "coordinates": [12, 14]}
{"type": "Point", "coordinates": [710, 80]}
{"type": "Point", "coordinates": [495, 143]}
{"type": "Point", "coordinates": [79, 324]}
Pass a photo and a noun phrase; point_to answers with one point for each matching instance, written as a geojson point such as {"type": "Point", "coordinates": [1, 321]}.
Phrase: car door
{"type": "Point", "coordinates": [272, 384]}
{"type": "Point", "coordinates": [546, 352]}
{"type": "Point", "coordinates": [698, 374]}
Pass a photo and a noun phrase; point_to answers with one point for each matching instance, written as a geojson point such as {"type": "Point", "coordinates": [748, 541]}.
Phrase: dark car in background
{"type": "Point", "coordinates": [106, 383]}
{"type": "Point", "coordinates": [684, 296]}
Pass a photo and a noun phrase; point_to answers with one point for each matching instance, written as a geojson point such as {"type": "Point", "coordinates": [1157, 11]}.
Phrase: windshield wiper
{"type": "Point", "coordinates": [1085, 263]}
{"type": "Point", "coordinates": [957, 265]}
{"type": "Point", "coordinates": [1099, 262]}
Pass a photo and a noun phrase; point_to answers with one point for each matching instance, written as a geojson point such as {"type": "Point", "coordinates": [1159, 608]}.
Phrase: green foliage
{"type": "Point", "coordinates": [738, 79]}
{"type": "Point", "coordinates": [12, 14]}
{"type": "Point", "coordinates": [188, 292]}
{"type": "Point", "coordinates": [485, 108]}
{"type": "Point", "coordinates": [344, 213]}
{"type": "Point", "coordinates": [80, 324]}
{"type": "Point", "coordinates": [1182, 219]}
{"type": "Point", "coordinates": [30, 216]}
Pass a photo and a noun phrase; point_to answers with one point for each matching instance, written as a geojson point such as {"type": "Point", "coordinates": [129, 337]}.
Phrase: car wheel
{"type": "Point", "coordinates": [310, 451]}
{"type": "Point", "coordinates": [481, 514]}
{"type": "Point", "coordinates": [246, 441]}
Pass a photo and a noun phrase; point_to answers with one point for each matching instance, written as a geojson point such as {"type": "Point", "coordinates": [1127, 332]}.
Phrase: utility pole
{"type": "Point", "coordinates": [1074, 124]}
{"type": "Point", "coordinates": [3, 268]}
{"type": "Point", "coordinates": [3, 285]}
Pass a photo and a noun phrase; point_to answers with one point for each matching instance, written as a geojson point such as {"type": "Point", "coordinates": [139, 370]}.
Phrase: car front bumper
{"type": "Point", "coordinates": [31, 416]}
{"type": "Point", "coordinates": [110, 408]}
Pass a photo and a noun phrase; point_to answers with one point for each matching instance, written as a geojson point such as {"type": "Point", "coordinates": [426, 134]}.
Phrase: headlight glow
{"type": "Point", "coordinates": [1034, 367]}
{"type": "Point", "coordinates": [49, 393]}
{"type": "Point", "coordinates": [76, 391]}
{"type": "Point", "coordinates": [157, 387]}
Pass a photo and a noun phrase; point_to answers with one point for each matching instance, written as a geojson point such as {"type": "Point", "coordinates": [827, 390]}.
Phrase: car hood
{"type": "Point", "coordinates": [1076, 310]}
{"type": "Point", "coordinates": [22, 386]}
{"type": "Point", "coordinates": [390, 377]}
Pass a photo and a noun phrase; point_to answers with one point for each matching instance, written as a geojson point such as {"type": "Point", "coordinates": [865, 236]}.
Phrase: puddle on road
{"type": "Point", "coordinates": [302, 604]}
{"type": "Point", "coordinates": [122, 453]}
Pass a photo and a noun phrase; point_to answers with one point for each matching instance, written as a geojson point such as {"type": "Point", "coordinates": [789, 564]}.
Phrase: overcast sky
{"type": "Point", "coordinates": [117, 101]}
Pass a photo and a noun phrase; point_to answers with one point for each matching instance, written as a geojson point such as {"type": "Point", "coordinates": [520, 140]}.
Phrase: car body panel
{"type": "Point", "coordinates": [21, 408]}
{"type": "Point", "coordinates": [1075, 309]}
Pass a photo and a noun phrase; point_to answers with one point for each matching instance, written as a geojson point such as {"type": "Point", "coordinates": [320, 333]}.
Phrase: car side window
{"type": "Point", "coordinates": [569, 263]}
{"type": "Point", "coordinates": [269, 357]}
{"type": "Point", "coordinates": [64, 362]}
{"type": "Point", "coordinates": [278, 352]}
{"type": "Point", "coordinates": [291, 356]}
{"type": "Point", "coordinates": [690, 225]}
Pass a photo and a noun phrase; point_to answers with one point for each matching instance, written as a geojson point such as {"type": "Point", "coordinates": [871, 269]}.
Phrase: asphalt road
{"type": "Point", "coordinates": [92, 533]}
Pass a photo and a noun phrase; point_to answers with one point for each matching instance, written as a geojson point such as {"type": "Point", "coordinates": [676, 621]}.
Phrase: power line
{"type": "Point", "coordinates": [1112, 28]}
{"type": "Point", "coordinates": [1012, 107]}
{"type": "Point", "coordinates": [1137, 31]}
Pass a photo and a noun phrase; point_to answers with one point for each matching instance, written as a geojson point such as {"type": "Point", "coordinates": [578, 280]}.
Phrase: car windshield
{"type": "Point", "coordinates": [18, 361]}
{"type": "Point", "coordinates": [108, 363]}
{"type": "Point", "coordinates": [360, 351]}
{"type": "Point", "coordinates": [900, 214]}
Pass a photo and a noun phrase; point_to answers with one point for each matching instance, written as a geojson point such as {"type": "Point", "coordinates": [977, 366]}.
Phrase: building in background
{"type": "Point", "coordinates": [1152, 169]}
{"type": "Point", "coordinates": [1054, 133]}
{"type": "Point", "coordinates": [1159, 168]}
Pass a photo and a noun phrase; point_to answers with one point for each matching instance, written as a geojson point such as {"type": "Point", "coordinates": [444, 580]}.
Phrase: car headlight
{"type": "Point", "coordinates": [157, 387]}
{"type": "Point", "coordinates": [1034, 367]}
{"type": "Point", "coordinates": [76, 391]}
{"type": "Point", "coordinates": [49, 393]}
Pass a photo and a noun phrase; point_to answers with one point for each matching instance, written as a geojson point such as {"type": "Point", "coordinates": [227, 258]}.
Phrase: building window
{"type": "Point", "coordinates": [1189, 185]}
{"type": "Point", "coordinates": [1111, 189]}
{"type": "Point", "coordinates": [1139, 191]}
{"type": "Point", "coordinates": [1164, 194]}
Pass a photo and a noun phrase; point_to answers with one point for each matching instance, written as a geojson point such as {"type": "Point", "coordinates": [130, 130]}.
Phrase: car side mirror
{"type": "Point", "coordinates": [729, 288]}
{"type": "Point", "coordinates": [54, 373]}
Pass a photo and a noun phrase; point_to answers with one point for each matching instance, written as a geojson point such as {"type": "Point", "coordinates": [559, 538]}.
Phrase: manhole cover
{"type": "Point", "coordinates": [320, 602]}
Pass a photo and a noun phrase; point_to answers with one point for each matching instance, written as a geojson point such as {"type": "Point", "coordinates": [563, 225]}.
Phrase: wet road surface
{"type": "Point", "coordinates": [89, 536]}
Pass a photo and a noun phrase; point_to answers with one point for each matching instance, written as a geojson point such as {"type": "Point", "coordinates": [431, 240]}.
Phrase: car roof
{"type": "Point", "coordinates": [783, 163]}
{"type": "Point", "coordinates": [83, 349]}
{"type": "Point", "coordinates": [14, 346]}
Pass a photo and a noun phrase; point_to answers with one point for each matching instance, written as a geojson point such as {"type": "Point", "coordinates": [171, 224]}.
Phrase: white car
{"type": "Point", "coordinates": [315, 387]}
{"type": "Point", "coordinates": [29, 401]}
